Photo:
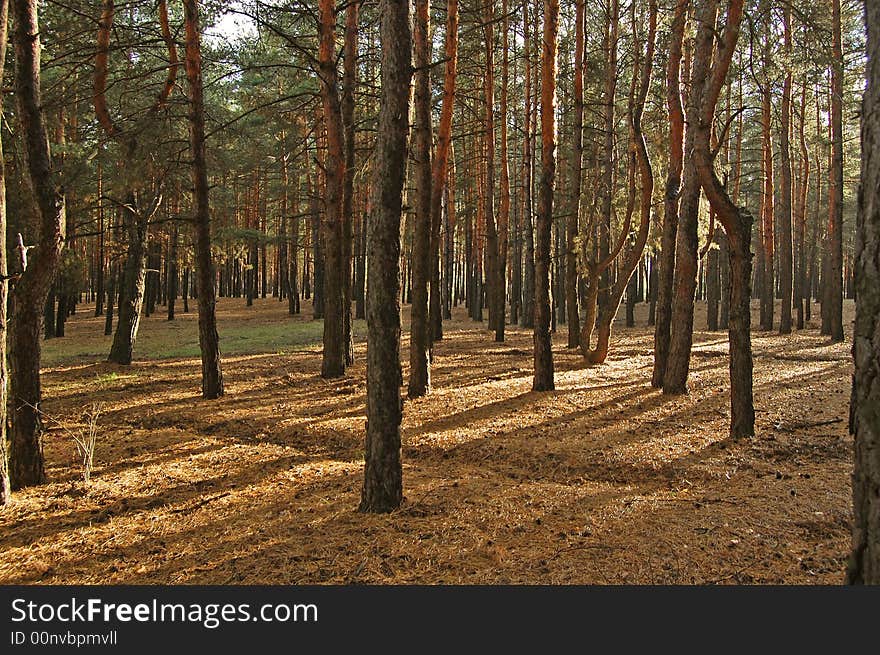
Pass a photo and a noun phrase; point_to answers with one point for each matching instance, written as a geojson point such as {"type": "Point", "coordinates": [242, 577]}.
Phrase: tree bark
{"type": "Point", "coordinates": [209, 340]}
{"type": "Point", "coordinates": [786, 262]}
{"type": "Point", "coordinates": [349, 81]}
{"type": "Point", "coordinates": [835, 189]}
{"type": "Point", "coordinates": [864, 562]}
{"type": "Point", "coordinates": [334, 356]}
{"type": "Point", "coordinates": [528, 288]}
{"type": "Point", "coordinates": [494, 265]}
{"type": "Point", "coordinates": [767, 269]}
{"type": "Point", "coordinates": [681, 332]}
{"type": "Point", "coordinates": [5, 483]}
{"type": "Point", "coordinates": [663, 316]}
{"type": "Point", "coordinates": [420, 336]}
{"type": "Point", "coordinates": [737, 221]}
{"type": "Point", "coordinates": [383, 476]}
{"type": "Point", "coordinates": [441, 166]}
{"type": "Point", "coordinates": [543, 377]}
{"type": "Point", "coordinates": [26, 466]}
{"type": "Point", "coordinates": [577, 159]}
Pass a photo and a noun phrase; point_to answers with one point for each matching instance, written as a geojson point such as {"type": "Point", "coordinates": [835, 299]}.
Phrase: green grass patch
{"type": "Point", "coordinates": [160, 339]}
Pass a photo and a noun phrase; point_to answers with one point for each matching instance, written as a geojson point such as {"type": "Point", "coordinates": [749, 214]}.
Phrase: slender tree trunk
{"type": "Point", "coordinates": [111, 299]}
{"type": "Point", "coordinates": [528, 290]}
{"type": "Point", "coordinates": [802, 284]}
{"type": "Point", "coordinates": [504, 201]}
{"type": "Point", "coordinates": [383, 477]}
{"type": "Point", "coordinates": [420, 336]}
{"type": "Point", "coordinates": [786, 262]}
{"type": "Point", "coordinates": [333, 360]}
{"type": "Point", "coordinates": [209, 340]}
{"type": "Point", "coordinates": [349, 80]}
{"type": "Point", "coordinates": [835, 189]}
{"type": "Point", "coordinates": [573, 220]}
{"type": "Point", "coordinates": [767, 227]}
{"type": "Point", "coordinates": [494, 266]}
{"type": "Point", "coordinates": [864, 563]}
{"type": "Point", "coordinates": [441, 165]}
{"type": "Point", "coordinates": [172, 271]}
{"type": "Point", "coordinates": [543, 378]}
{"type": "Point", "coordinates": [640, 161]}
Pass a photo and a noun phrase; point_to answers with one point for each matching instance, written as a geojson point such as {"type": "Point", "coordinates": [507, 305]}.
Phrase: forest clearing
{"type": "Point", "coordinates": [604, 480]}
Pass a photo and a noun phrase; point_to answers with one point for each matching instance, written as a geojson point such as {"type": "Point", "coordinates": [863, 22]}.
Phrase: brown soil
{"type": "Point", "coordinates": [603, 481]}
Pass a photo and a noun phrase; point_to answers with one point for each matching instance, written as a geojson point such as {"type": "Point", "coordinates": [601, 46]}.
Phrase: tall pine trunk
{"type": "Point", "coordinates": [209, 340]}
{"type": "Point", "coordinates": [334, 357]}
{"type": "Point", "coordinates": [420, 337]}
{"type": "Point", "coordinates": [543, 378]}
{"type": "Point", "coordinates": [383, 476]}
{"type": "Point", "coordinates": [663, 315]}
{"type": "Point", "coordinates": [834, 279]}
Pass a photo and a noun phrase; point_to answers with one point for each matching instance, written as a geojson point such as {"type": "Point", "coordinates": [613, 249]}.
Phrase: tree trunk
{"type": "Point", "coordinates": [349, 80]}
{"type": "Point", "coordinates": [494, 265]}
{"type": "Point", "coordinates": [504, 201]}
{"type": "Point", "coordinates": [528, 290]}
{"type": "Point", "coordinates": [173, 273]}
{"type": "Point", "coordinates": [767, 229]}
{"type": "Point", "coordinates": [737, 222]}
{"type": "Point", "coordinates": [834, 281]}
{"type": "Point", "coordinates": [543, 378]}
{"type": "Point", "coordinates": [26, 465]}
{"type": "Point", "coordinates": [209, 341]}
{"type": "Point", "coordinates": [133, 282]}
{"type": "Point", "coordinates": [786, 263]}
{"type": "Point", "coordinates": [681, 332]}
{"type": "Point", "coordinates": [420, 336]}
{"type": "Point", "coordinates": [5, 483]}
{"type": "Point", "coordinates": [663, 318]}
{"type": "Point", "coordinates": [440, 169]}
{"type": "Point", "coordinates": [383, 483]}
{"type": "Point", "coordinates": [577, 161]}
{"type": "Point", "coordinates": [864, 563]}
{"type": "Point", "coordinates": [333, 360]}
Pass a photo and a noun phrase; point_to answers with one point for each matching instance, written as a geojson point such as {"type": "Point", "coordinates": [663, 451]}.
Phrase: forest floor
{"type": "Point", "coordinates": [604, 480]}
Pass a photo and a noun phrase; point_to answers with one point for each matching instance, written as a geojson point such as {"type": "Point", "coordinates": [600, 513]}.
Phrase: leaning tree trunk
{"type": "Point", "coordinates": [209, 340]}
{"type": "Point", "coordinates": [864, 563]}
{"type": "Point", "coordinates": [383, 475]}
{"type": "Point", "coordinates": [135, 217]}
{"type": "Point", "coordinates": [640, 160]}
{"type": "Point", "coordinates": [543, 378]}
{"type": "Point", "coordinates": [737, 221]}
{"type": "Point", "coordinates": [26, 465]}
